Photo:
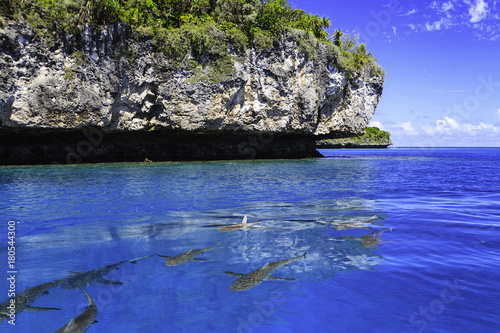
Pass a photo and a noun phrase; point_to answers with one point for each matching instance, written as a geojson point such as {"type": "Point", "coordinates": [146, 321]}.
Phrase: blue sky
{"type": "Point", "coordinates": [442, 63]}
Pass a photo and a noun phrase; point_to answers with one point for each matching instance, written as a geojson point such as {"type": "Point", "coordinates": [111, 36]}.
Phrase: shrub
{"type": "Point", "coordinates": [262, 40]}
{"type": "Point", "coordinates": [352, 57]}
{"type": "Point", "coordinates": [68, 73]}
{"type": "Point", "coordinates": [79, 57]}
{"type": "Point", "coordinates": [201, 29]}
{"type": "Point", "coordinates": [306, 43]}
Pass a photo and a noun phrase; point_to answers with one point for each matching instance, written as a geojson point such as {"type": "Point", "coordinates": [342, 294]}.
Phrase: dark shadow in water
{"type": "Point", "coordinates": [22, 302]}
{"type": "Point", "coordinates": [81, 280]}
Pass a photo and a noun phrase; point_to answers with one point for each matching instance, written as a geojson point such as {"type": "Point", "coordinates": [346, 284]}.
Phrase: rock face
{"type": "Point", "coordinates": [109, 95]}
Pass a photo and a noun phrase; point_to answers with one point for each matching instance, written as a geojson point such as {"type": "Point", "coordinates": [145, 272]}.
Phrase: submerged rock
{"type": "Point", "coordinates": [109, 94]}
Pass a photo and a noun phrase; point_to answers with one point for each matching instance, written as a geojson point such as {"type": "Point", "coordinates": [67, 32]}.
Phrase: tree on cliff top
{"type": "Point", "coordinates": [173, 23]}
{"type": "Point", "coordinates": [247, 15]}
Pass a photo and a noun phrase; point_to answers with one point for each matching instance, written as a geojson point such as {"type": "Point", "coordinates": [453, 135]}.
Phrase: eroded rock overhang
{"type": "Point", "coordinates": [106, 95]}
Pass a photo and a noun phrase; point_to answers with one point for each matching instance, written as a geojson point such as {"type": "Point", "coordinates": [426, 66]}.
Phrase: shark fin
{"type": "Point", "coordinates": [238, 275]}
{"type": "Point", "coordinates": [166, 257]}
{"type": "Point", "coordinates": [267, 264]}
{"type": "Point", "coordinates": [104, 281]}
{"type": "Point", "coordinates": [244, 221]}
{"type": "Point", "coordinates": [39, 308]}
{"type": "Point", "coordinates": [194, 259]}
{"type": "Point", "coordinates": [272, 278]}
{"type": "Point", "coordinates": [95, 321]}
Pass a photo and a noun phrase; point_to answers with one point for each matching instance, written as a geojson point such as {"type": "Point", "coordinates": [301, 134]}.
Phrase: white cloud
{"type": "Point", "coordinates": [450, 127]}
{"type": "Point", "coordinates": [437, 25]}
{"type": "Point", "coordinates": [447, 6]}
{"type": "Point", "coordinates": [407, 127]}
{"type": "Point", "coordinates": [446, 132]}
{"type": "Point", "coordinates": [411, 12]}
{"type": "Point", "coordinates": [480, 17]}
{"type": "Point", "coordinates": [378, 124]}
{"type": "Point", "coordinates": [478, 11]}
{"type": "Point", "coordinates": [452, 123]}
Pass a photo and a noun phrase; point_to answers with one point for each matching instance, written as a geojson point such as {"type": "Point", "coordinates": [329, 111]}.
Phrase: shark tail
{"type": "Point", "coordinates": [89, 299]}
{"type": "Point", "coordinates": [166, 257]}
{"type": "Point", "coordinates": [208, 248]}
{"type": "Point", "coordinates": [134, 261]}
{"type": "Point", "coordinates": [218, 242]}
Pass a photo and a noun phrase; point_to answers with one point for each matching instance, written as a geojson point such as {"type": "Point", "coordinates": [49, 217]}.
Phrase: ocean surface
{"type": "Point", "coordinates": [397, 240]}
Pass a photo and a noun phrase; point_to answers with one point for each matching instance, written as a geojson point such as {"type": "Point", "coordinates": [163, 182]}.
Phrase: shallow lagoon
{"type": "Point", "coordinates": [436, 271]}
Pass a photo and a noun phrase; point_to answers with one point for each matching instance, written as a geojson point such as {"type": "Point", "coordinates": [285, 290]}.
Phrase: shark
{"type": "Point", "coordinates": [82, 322]}
{"type": "Point", "coordinates": [186, 256]}
{"type": "Point", "coordinates": [80, 280]}
{"type": "Point", "coordinates": [250, 280]}
{"type": "Point", "coordinates": [23, 301]}
{"type": "Point", "coordinates": [371, 239]}
{"type": "Point", "coordinates": [243, 225]}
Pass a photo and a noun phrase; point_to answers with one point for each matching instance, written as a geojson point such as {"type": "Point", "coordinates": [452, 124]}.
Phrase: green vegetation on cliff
{"type": "Point", "coordinates": [248, 16]}
{"type": "Point", "coordinates": [373, 137]}
{"type": "Point", "coordinates": [202, 28]}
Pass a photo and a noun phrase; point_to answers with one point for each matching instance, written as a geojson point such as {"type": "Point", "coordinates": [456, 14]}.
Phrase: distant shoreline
{"type": "Point", "coordinates": [444, 147]}
{"type": "Point", "coordinates": [373, 138]}
{"type": "Point", "coordinates": [406, 147]}
{"type": "Point", "coordinates": [350, 146]}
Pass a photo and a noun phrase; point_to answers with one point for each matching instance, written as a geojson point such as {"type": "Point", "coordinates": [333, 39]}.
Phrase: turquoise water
{"type": "Point", "coordinates": [436, 270]}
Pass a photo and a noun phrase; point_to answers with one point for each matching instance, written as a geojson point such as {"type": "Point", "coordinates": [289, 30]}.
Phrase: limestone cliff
{"type": "Point", "coordinates": [108, 94]}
